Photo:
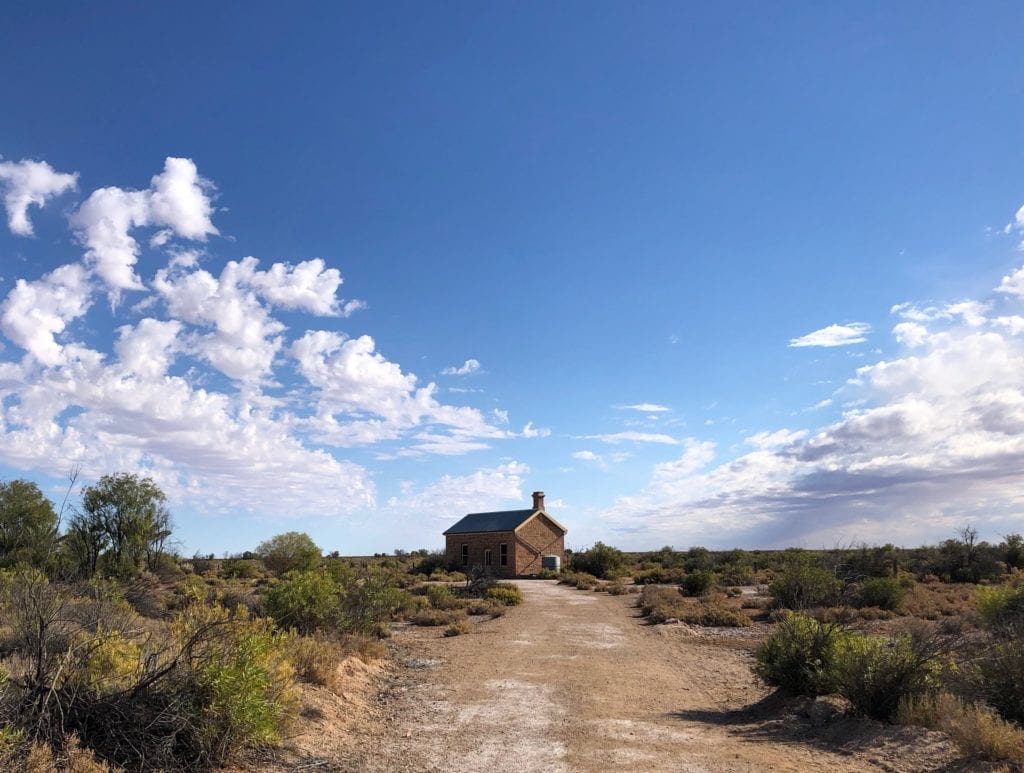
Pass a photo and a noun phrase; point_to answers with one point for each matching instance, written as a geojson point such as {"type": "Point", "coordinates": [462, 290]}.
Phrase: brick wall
{"type": "Point", "coordinates": [478, 543]}
{"type": "Point", "coordinates": [538, 537]}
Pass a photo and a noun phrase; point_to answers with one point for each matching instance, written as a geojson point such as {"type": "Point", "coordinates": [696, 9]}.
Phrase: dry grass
{"type": "Point", "coordinates": [433, 617]}
{"type": "Point", "coordinates": [458, 628]}
{"type": "Point", "coordinates": [660, 603]}
{"type": "Point", "coordinates": [485, 607]}
{"type": "Point", "coordinates": [936, 600]}
{"type": "Point", "coordinates": [977, 730]}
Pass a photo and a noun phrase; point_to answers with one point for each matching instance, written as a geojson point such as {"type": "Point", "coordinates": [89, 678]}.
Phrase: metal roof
{"type": "Point", "coordinates": [503, 520]}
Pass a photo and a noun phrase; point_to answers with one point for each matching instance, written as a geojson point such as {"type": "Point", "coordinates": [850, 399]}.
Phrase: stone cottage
{"type": "Point", "coordinates": [509, 543]}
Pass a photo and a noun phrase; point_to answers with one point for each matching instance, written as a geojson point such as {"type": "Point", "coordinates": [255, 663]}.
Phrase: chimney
{"type": "Point", "coordinates": [538, 500]}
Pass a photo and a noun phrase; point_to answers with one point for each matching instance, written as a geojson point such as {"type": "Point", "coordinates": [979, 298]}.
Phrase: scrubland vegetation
{"type": "Point", "coordinates": [115, 653]}
{"type": "Point", "coordinates": [932, 636]}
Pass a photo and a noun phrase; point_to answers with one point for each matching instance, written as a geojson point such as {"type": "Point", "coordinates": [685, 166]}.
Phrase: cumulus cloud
{"type": "Point", "coordinates": [933, 437]}
{"type": "Point", "coordinates": [1013, 283]}
{"type": "Point", "coordinates": [834, 335]}
{"type": "Point", "coordinates": [30, 183]}
{"type": "Point", "coordinates": [265, 439]}
{"type": "Point", "coordinates": [468, 368]}
{"type": "Point", "coordinates": [35, 312]}
{"type": "Point", "coordinates": [178, 199]}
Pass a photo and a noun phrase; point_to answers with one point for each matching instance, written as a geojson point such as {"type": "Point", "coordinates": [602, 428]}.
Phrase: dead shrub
{"type": "Point", "coordinates": [458, 628]}
{"type": "Point", "coordinates": [977, 730]}
{"type": "Point", "coordinates": [659, 604]}
{"type": "Point", "coordinates": [315, 659]}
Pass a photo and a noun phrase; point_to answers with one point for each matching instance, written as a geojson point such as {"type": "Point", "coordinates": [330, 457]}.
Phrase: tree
{"type": "Point", "coordinates": [124, 516]}
{"type": "Point", "coordinates": [293, 550]}
{"type": "Point", "coordinates": [28, 524]}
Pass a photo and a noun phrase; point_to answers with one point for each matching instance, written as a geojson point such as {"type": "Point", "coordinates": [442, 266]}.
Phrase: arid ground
{"type": "Point", "coordinates": [577, 681]}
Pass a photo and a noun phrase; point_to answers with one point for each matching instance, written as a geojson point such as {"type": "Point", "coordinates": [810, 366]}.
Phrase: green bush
{"type": "Point", "coordinates": [441, 597]}
{"type": "Point", "coordinates": [289, 552]}
{"type": "Point", "coordinates": [801, 585]}
{"type": "Point", "coordinates": [882, 592]}
{"type": "Point", "coordinates": [243, 680]}
{"type": "Point", "coordinates": [800, 655]}
{"type": "Point", "coordinates": [602, 561]}
{"type": "Point", "coordinates": [698, 583]}
{"type": "Point", "coordinates": [370, 603]}
{"type": "Point", "coordinates": [307, 601]}
{"type": "Point", "coordinates": [1001, 609]}
{"type": "Point", "coordinates": [509, 595]}
{"type": "Point", "coordinates": [241, 569]}
{"type": "Point", "coordinates": [998, 676]}
{"type": "Point", "coordinates": [876, 674]}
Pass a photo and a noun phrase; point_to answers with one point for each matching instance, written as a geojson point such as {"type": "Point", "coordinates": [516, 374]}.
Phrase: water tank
{"type": "Point", "coordinates": [552, 563]}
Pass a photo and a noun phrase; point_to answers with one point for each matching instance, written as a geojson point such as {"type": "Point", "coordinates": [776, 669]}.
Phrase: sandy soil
{"type": "Point", "coordinates": [576, 681]}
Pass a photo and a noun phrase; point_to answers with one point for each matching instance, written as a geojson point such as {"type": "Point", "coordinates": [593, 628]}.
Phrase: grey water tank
{"type": "Point", "coordinates": [553, 563]}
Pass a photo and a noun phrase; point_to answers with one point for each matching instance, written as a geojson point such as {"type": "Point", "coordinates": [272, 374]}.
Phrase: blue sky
{"type": "Point", "coordinates": [722, 276]}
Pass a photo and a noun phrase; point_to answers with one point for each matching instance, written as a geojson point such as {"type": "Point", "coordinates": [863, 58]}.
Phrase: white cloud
{"type": "Point", "coordinates": [452, 496]}
{"type": "Point", "coordinates": [30, 183]}
{"type": "Point", "coordinates": [935, 438]}
{"type": "Point", "coordinates": [781, 437]}
{"type": "Point", "coordinates": [1014, 324]}
{"type": "Point", "coordinates": [634, 437]}
{"type": "Point", "coordinates": [834, 335]}
{"type": "Point", "coordinates": [910, 333]}
{"type": "Point", "coordinates": [35, 312]}
{"type": "Point", "coordinates": [1013, 283]}
{"type": "Point", "coordinates": [645, 408]}
{"type": "Point", "coordinates": [365, 398]}
{"type": "Point", "coordinates": [178, 199]}
{"type": "Point", "coordinates": [586, 456]}
{"type": "Point", "coordinates": [468, 368]}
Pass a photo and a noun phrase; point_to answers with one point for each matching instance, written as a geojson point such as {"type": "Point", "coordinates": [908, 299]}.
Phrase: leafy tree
{"type": "Point", "coordinates": [124, 516]}
{"type": "Point", "coordinates": [28, 524]}
{"type": "Point", "coordinates": [291, 551]}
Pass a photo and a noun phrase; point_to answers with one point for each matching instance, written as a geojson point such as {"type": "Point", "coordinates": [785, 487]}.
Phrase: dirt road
{"type": "Point", "coordinates": [576, 681]}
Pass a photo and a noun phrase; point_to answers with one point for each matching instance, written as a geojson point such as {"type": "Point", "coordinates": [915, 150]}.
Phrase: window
{"type": "Point", "coordinates": [487, 558]}
{"type": "Point", "coordinates": [465, 555]}
{"type": "Point", "coordinates": [503, 554]}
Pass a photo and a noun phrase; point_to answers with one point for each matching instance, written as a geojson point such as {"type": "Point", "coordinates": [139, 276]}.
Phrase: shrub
{"type": "Point", "coordinates": [800, 655]}
{"type": "Point", "coordinates": [509, 595]}
{"type": "Point", "coordinates": [977, 730]}
{"type": "Point", "coordinates": [432, 617]}
{"type": "Point", "coordinates": [242, 677]}
{"type": "Point", "coordinates": [710, 613]}
{"type": "Point", "coordinates": [659, 604]}
{"type": "Point", "coordinates": [882, 592]}
{"type": "Point", "coordinates": [876, 674]}
{"type": "Point", "coordinates": [458, 628]}
{"type": "Point", "coordinates": [802, 586]}
{"type": "Point", "coordinates": [485, 607]}
{"type": "Point", "coordinates": [1001, 609]}
{"type": "Point", "coordinates": [602, 561]}
{"type": "Point", "coordinates": [998, 676]}
{"type": "Point", "coordinates": [307, 601]}
{"type": "Point", "coordinates": [618, 588]}
{"type": "Point", "coordinates": [698, 583]}
{"type": "Point", "coordinates": [580, 580]}
{"type": "Point", "coordinates": [288, 552]}
{"type": "Point", "coordinates": [658, 575]}
{"type": "Point", "coordinates": [370, 603]}
{"type": "Point", "coordinates": [241, 569]}
{"type": "Point", "coordinates": [315, 659]}
{"type": "Point", "coordinates": [441, 597]}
